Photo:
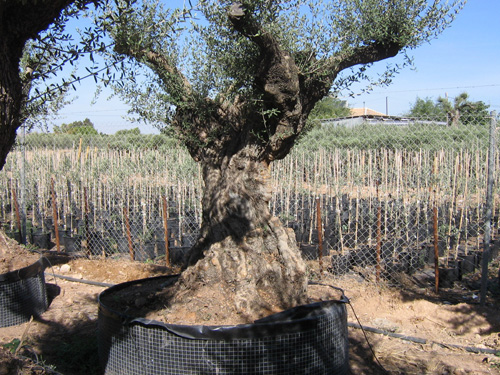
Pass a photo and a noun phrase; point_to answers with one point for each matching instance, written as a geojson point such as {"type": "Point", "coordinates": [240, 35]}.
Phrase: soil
{"type": "Point", "coordinates": [63, 340]}
{"type": "Point", "coordinates": [13, 256]}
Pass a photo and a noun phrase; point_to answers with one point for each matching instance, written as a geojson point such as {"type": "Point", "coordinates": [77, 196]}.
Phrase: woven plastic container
{"type": "Point", "coordinates": [23, 293]}
{"type": "Point", "coordinates": [309, 339]}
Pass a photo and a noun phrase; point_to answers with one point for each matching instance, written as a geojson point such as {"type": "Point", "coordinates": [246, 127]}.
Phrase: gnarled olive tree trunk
{"type": "Point", "coordinates": [242, 251]}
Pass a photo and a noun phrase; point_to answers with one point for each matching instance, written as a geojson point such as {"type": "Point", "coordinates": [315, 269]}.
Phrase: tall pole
{"type": "Point", "coordinates": [488, 214]}
{"type": "Point", "coordinates": [23, 185]}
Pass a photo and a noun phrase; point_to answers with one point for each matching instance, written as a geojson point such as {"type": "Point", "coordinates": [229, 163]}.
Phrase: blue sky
{"type": "Point", "coordinates": [466, 57]}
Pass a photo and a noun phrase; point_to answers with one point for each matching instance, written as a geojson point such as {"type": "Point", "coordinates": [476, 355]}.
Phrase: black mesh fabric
{"type": "Point", "coordinates": [310, 339]}
{"type": "Point", "coordinates": [23, 294]}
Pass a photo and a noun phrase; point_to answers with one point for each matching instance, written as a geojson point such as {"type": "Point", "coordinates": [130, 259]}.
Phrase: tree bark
{"type": "Point", "coordinates": [243, 252]}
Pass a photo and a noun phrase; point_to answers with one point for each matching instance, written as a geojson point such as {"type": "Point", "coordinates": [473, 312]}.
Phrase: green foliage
{"type": "Point", "coordinates": [134, 131]}
{"type": "Point", "coordinates": [85, 127]}
{"type": "Point", "coordinates": [200, 46]}
{"type": "Point", "coordinates": [128, 141]}
{"type": "Point", "coordinates": [330, 107]}
{"type": "Point", "coordinates": [46, 56]}
{"type": "Point", "coordinates": [416, 136]}
{"type": "Point", "coordinates": [463, 111]}
{"type": "Point", "coordinates": [427, 109]}
{"type": "Point", "coordinates": [13, 345]}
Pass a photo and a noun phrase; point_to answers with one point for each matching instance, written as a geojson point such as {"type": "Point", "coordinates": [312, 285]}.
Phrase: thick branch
{"type": "Point", "coordinates": [361, 55]}
{"type": "Point", "coordinates": [278, 79]}
{"type": "Point", "coordinates": [167, 71]}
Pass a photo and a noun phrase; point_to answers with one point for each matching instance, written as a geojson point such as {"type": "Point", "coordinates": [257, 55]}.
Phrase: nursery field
{"type": "Point", "coordinates": [370, 207]}
{"type": "Point", "coordinates": [383, 197]}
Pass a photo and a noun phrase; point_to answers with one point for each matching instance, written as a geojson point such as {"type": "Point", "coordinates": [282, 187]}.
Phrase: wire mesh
{"type": "Point", "coordinates": [382, 184]}
{"type": "Point", "coordinates": [312, 340]}
{"type": "Point", "coordinates": [22, 297]}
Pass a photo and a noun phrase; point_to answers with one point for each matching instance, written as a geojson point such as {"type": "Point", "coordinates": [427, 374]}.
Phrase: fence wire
{"type": "Point", "coordinates": [392, 191]}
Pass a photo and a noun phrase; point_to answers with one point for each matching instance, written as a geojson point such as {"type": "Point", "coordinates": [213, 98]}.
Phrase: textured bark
{"type": "Point", "coordinates": [242, 251]}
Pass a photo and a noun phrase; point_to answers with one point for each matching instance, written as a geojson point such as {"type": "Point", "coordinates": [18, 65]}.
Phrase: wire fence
{"type": "Point", "coordinates": [391, 193]}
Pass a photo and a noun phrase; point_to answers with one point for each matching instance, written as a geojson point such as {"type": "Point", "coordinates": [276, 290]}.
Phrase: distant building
{"type": "Point", "coordinates": [369, 116]}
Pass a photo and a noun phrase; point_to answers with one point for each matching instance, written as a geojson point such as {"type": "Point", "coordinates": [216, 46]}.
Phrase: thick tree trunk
{"type": "Point", "coordinates": [10, 102]}
{"type": "Point", "coordinates": [244, 259]}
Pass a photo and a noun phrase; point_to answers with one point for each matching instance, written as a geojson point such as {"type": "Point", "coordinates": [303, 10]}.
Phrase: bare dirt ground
{"type": "Point", "coordinates": [63, 340]}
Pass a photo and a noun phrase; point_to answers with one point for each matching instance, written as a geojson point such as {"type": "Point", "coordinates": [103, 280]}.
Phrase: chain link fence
{"type": "Point", "coordinates": [391, 193]}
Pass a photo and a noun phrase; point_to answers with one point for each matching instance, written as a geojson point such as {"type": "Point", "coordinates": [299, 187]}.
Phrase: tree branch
{"type": "Point", "coordinates": [278, 79]}
{"type": "Point", "coordinates": [370, 53]}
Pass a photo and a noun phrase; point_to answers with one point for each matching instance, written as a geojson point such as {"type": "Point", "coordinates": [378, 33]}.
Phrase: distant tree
{"type": "Point", "coordinates": [463, 111]}
{"type": "Point", "coordinates": [330, 107]}
{"type": "Point", "coordinates": [427, 109]}
{"type": "Point", "coordinates": [134, 131]}
{"type": "Point", "coordinates": [85, 127]}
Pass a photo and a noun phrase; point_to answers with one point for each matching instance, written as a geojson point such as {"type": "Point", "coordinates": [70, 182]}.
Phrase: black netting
{"type": "Point", "coordinates": [23, 294]}
{"type": "Point", "coordinates": [310, 339]}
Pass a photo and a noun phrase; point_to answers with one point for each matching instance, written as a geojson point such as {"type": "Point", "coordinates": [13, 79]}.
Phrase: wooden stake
{"type": "Point", "coordinates": [54, 215]}
{"type": "Point", "coordinates": [435, 227]}
{"type": "Point", "coordinates": [129, 235]}
{"type": "Point", "coordinates": [320, 236]}
{"type": "Point", "coordinates": [18, 216]}
{"type": "Point", "coordinates": [379, 231]}
{"type": "Point", "coordinates": [165, 229]}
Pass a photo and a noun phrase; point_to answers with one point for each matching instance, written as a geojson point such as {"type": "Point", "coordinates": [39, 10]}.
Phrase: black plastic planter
{"type": "Point", "coordinates": [72, 244]}
{"type": "Point", "coordinates": [23, 294]}
{"type": "Point", "coordinates": [309, 339]}
{"type": "Point", "coordinates": [448, 276]}
{"type": "Point", "coordinates": [342, 263]}
{"type": "Point", "coordinates": [15, 235]}
{"type": "Point", "coordinates": [41, 239]}
{"type": "Point", "coordinates": [145, 252]}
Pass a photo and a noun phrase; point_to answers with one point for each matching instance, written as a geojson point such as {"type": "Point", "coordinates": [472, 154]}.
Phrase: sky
{"type": "Point", "coordinates": [464, 58]}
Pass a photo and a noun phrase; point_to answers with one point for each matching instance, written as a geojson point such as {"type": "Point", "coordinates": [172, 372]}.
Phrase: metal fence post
{"type": "Point", "coordinates": [488, 213]}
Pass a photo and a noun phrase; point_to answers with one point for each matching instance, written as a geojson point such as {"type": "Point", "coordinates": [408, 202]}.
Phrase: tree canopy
{"type": "Point", "coordinates": [216, 52]}
{"type": "Point", "coordinates": [76, 127]}
{"type": "Point", "coordinates": [330, 107]}
{"type": "Point", "coordinates": [463, 111]}
{"type": "Point", "coordinates": [459, 111]}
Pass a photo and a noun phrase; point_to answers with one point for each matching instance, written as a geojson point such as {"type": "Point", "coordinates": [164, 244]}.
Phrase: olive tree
{"type": "Point", "coordinates": [236, 82]}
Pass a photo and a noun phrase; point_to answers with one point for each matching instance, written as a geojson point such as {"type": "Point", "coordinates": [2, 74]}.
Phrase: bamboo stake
{"type": "Point", "coordinates": [165, 229]}
{"type": "Point", "coordinates": [478, 206]}
{"type": "Point", "coordinates": [435, 227]}
{"type": "Point", "coordinates": [356, 223]}
{"type": "Point", "coordinates": [129, 235]}
{"type": "Point", "coordinates": [80, 151]}
{"type": "Point", "coordinates": [86, 219]}
{"type": "Point", "coordinates": [379, 232]}
{"type": "Point", "coordinates": [54, 215]}
{"type": "Point", "coordinates": [320, 236]}
{"type": "Point", "coordinates": [338, 209]}
{"type": "Point", "coordinates": [18, 216]}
